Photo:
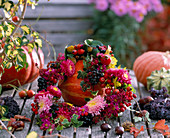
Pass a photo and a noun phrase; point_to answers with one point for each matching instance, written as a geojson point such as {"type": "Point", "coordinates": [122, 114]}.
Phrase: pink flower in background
{"type": "Point", "coordinates": [119, 8]}
{"type": "Point", "coordinates": [147, 4]}
{"type": "Point", "coordinates": [96, 105]}
{"type": "Point", "coordinates": [136, 9]}
{"type": "Point", "coordinates": [102, 5]}
{"type": "Point", "coordinates": [157, 6]}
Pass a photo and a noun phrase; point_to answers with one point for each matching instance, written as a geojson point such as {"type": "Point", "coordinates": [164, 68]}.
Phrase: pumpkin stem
{"type": "Point", "coordinates": [159, 86]}
{"type": "Point", "coordinates": [167, 54]}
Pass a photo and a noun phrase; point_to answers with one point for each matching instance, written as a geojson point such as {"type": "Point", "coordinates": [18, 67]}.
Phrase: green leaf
{"type": "Point", "coordinates": [70, 55]}
{"type": "Point", "coordinates": [88, 42]}
{"type": "Point", "coordinates": [74, 118]}
{"type": "Point", "coordinates": [9, 128]}
{"type": "Point", "coordinates": [147, 116]}
{"type": "Point", "coordinates": [88, 99]}
{"type": "Point", "coordinates": [38, 42]}
{"type": "Point", "coordinates": [59, 127]}
{"type": "Point", "coordinates": [75, 122]}
{"type": "Point", "coordinates": [0, 88]}
{"type": "Point", "coordinates": [66, 123]}
{"type": "Point", "coordinates": [95, 51]}
{"type": "Point", "coordinates": [8, 65]}
{"type": "Point", "coordinates": [137, 119]}
{"type": "Point", "coordinates": [7, 5]}
{"type": "Point", "coordinates": [5, 119]}
{"type": "Point", "coordinates": [26, 29]}
{"type": "Point", "coordinates": [57, 120]}
{"type": "Point", "coordinates": [94, 92]}
{"type": "Point", "coordinates": [81, 74]}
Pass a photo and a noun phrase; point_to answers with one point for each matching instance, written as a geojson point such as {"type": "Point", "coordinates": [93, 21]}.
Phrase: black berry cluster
{"type": "Point", "coordinates": [159, 109]}
{"type": "Point", "coordinates": [11, 104]}
{"type": "Point", "coordinates": [53, 110]}
{"type": "Point", "coordinates": [87, 119]}
{"type": "Point", "coordinates": [42, 84]}
{"type": "Point", "coordinates": [94, 76]}
{"type": "Point", "coordinates": [159, 93]}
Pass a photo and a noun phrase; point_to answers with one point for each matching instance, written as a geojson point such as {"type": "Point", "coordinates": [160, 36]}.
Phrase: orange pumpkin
{"type": "Point", "coordinates": [71, 89]}
{"type": "Point", "coordinates": [148, 62]}
{"type": "Point", "coordinates": [25, 75]}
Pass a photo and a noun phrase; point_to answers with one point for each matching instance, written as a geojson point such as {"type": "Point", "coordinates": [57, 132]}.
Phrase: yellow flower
{"type": "Point", "coordinates": [108, 50]}
{"type": "Point", "coordinates": [113, 62]}
{"type": "Point", "coordinates": [116, 83]}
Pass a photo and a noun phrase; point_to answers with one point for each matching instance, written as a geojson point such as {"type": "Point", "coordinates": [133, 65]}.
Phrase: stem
{"type": "Point", "coordinates": [22, 17]}
{"type": "Point", "coordinates": [146, 121]}
{"type": "Point", "coordinates": [46, 42]}
{"type": "Point", "coordinates": [53, 136]}
{"type": "Point", "coordinates": [6, 129]}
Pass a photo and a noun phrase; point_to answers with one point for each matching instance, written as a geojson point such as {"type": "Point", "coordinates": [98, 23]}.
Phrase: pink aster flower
{"type": "Point", "coordinates": [96, 105]}
{"type": "Point", "coordinates": [54, 91]}
{"type": "Point", "coordinates": [119, 8]}
{"type": "Point", "coordinates": [40, 94]}
{"type": "Point", "coordinates": [102, 5]}
{"type": "Point", "coordinates": [46, 125]}
{"type": "Point", "coordinates": [157, 6]}
{"type": "Point", "coordinates": [44, 102]}
{"type": "Point", "coordinates": [68, 67]}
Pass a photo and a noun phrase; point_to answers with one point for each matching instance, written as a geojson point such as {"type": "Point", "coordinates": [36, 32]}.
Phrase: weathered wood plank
{"type": "Point", "coordinates": [60, 25]}
{"type": "Point", "coordinates": [83, 132]}
{"type": "Point", "coordinates": [66, 39]}
{"type": "Point", "coordinates": [60, 11]}
{"type": "Point", "coordinates": [61, 1]}
{"type": "Point", "coordinates": [7, 93]}
{"type": "Point", "coordinates": [68, 132]}
{"type": "Point", "coordinates": [96, 131]}
{"type": "Point", "coordinates": [111, 133]}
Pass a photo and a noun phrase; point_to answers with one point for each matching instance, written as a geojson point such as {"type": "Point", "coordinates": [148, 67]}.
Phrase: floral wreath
{"type": "Point", "coordinates": [99, 68]}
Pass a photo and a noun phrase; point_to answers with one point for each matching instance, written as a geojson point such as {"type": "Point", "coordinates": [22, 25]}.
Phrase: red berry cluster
{"type": "Point", "coordinates": [78, 50]}
{"type": "Point", "coordinates": [34, 108]}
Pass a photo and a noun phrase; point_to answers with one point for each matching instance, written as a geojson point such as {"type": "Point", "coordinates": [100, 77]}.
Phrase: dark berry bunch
{"type": "Point", "coordinates": [42, 84]}
{"type": "Point", "coordinates": [54, 108]}
{"type": "Point", "coordinates": [87, 119]}
{"type": "Point", "coordinates": [159, 93]}
{"type": "Point", "coordinates": [159, 109]}
{"type": "Point", "coordinates": [158, 105]}
{"type": "Point", "coordinates": [11, 104]}
{"type": "Point", "coordinates": [94, 76]}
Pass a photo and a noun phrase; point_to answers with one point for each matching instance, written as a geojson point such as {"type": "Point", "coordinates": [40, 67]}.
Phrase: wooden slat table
{"type": "Point", "coordinates": [83, 132]}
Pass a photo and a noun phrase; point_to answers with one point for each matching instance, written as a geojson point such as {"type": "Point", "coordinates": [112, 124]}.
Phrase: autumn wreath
{"type": "Point", "coordinates": [92, 86]}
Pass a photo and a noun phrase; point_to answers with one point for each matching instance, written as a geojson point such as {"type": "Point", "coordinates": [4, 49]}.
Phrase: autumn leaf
{"type": "Point", "coordinates": [136, 131]}
{"type": "Point", "coordinates": [166, 134]}
{"type": "Point", "coordinates": [161, 127]}
{"type": "Point", "coordinates": [22, 118]}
